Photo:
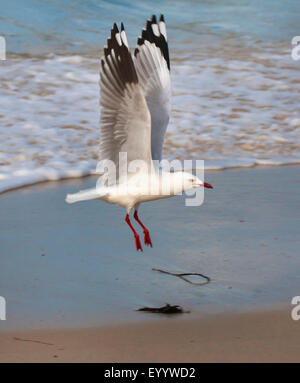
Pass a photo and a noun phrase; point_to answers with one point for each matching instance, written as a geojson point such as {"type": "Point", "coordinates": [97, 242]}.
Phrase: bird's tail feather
{"type": "Point", "coordinates": [83, 195]}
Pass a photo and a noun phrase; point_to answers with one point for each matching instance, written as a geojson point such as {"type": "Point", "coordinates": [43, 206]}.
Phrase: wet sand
{"type": "Point", "coordinates": [270, 336]}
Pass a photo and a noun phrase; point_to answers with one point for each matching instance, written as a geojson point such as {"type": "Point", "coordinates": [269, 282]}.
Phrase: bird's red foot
{"type": "Point", "coordinates": [147, 238]}
{"type": "Point", "coordinates": [138, 243]}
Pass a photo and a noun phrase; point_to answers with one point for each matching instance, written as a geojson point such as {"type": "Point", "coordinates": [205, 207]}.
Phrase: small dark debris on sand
{"type": "Point", "coordinates": [167, 309]}
{"type": "Point", "coordinates": [34, 341]}
{"type": "Point", "coordinates": [183, 275]}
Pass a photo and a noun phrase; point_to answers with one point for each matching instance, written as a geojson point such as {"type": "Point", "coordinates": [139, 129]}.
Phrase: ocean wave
{"type": "Point", "coordinates": [232, 106]}
{"type": "Point", "coordinates": [22, 179]}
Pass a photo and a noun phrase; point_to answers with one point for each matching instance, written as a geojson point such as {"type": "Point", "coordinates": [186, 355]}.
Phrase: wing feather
{"type": "Point", "coordinates": [125, 118]}
{"type": "Point", "coordinates": [153, 69]}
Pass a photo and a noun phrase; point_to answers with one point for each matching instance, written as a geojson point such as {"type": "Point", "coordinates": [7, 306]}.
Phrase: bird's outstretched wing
{"type": "Point", "coordinates": [153, 68]}
{"type": "Point", "coordinates": [125, 118]}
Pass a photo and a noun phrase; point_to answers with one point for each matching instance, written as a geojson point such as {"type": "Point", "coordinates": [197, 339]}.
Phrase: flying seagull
{"type": "Point", "coordinates": [135, 95]}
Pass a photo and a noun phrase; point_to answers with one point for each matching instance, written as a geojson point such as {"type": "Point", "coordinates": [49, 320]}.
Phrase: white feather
{"type": "Point", "coordinates": [163, 29]}
{"type": "Point", "coordinates": [118, 37]}
{"type": "Point", "coordinates": [155, 29]}
{"type": "Point", "coordinates": [83, 195]}
{"type": "Point", "coordinates": [124, 38]}
{"type": "Point", "coordinates": [154, 77]}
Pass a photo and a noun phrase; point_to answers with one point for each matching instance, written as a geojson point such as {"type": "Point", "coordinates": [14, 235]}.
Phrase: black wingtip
{"type": "Point", "coordinates": [149, 23]}
{"type": "Point", "coordinates": [144, 35]}
{"type": "Point", "coordinates": [122, 27]}
{"type": "Point", "coordinates": [136, 51]}
{"type": "Point", "coordinates": [160, 40]}
{"type": "Point", "coordinates": [115, 28]}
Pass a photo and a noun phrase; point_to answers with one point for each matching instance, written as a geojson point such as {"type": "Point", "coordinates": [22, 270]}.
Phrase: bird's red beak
{"type": "Point", "coordinates": [207, 185]}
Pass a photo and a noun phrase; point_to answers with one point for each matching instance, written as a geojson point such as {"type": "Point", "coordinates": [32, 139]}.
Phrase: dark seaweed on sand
{"type": "Point", "coordinates": [167, 309]}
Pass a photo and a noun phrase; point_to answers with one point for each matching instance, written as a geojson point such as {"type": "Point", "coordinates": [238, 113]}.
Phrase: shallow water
{"type": "Point", "coordinates": [76, 265]}
{"type": "Point", "coordinates": [235, 85]}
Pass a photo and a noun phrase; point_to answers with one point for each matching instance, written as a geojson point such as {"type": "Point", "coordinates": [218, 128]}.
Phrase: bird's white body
{"type": "Point", "coordinates": [140, 188]}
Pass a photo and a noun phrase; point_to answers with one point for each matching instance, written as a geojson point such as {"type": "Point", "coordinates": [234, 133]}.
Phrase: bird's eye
{"type": "Point", "coordinates": [191, 179]}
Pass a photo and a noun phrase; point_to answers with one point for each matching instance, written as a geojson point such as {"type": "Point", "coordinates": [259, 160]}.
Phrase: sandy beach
{"type": "Point", "coordinates": [73, 281]}
{"type": "Point", "coordinates": [270, 336]}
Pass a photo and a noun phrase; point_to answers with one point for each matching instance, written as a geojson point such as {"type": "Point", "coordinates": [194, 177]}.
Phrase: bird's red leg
{"type": "Point", "coordinates": [136, 236]}
{"type": "Point", "coordinates": [147, 238]}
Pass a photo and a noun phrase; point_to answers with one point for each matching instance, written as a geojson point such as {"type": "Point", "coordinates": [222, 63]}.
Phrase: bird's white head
{"type": "Point", "coordinates": [186, 181]}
